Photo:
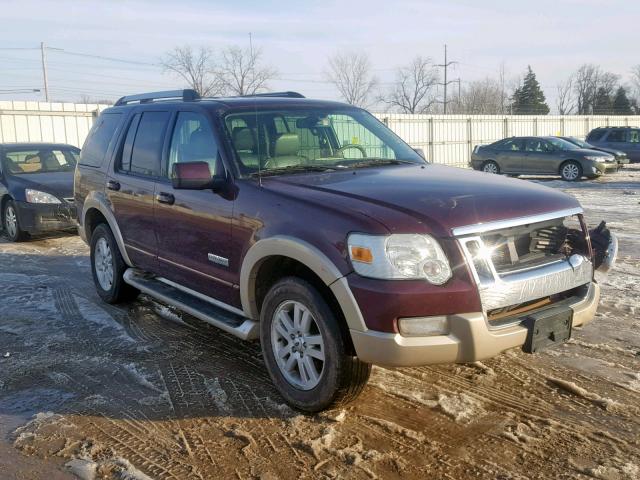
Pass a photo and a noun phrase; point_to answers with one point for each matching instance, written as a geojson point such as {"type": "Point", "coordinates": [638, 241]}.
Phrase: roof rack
{"type": "Point", "coordinates": [186, 95]}
{"type": "Point", "coordinates": [277, 94]}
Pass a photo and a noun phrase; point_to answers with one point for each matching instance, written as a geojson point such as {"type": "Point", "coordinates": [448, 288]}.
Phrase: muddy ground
{"type": "Point", "coordinates": [141, 391]}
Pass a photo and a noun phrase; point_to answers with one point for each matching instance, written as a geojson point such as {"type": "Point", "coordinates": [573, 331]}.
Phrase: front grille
{"type": "Point", "coordinates": [523, 245]}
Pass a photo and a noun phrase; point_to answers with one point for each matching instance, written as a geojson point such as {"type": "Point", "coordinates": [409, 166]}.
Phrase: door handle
{"type": "Point", "coordinates": [167, 198]}
{"type": "Point", "coordinates": [113, 185]}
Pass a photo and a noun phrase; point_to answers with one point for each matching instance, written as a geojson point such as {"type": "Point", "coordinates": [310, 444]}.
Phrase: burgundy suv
{"type": "Point", "coordinates": [312, 227]}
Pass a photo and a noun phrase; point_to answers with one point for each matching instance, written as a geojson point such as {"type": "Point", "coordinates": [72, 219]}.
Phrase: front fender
{"type": "Point", "coordinates": [308, 255]}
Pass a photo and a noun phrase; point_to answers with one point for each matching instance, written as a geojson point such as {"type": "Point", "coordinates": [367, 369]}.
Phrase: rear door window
{"type": "Point", "coordinates": [596, 135]}
{"type": "Point", "coordinates": [98, 140]}
{"type": "Point", "coordinates": [511, 145]}
{"type": "Point", "coordinates": [142, 149]}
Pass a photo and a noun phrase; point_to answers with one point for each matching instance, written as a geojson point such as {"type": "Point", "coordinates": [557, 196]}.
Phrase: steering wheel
{"type": "Point", "coordinates": [352, 145]}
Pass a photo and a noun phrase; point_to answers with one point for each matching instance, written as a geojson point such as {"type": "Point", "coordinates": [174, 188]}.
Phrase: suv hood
{"type": "Point", "coordinates": [441, 198]}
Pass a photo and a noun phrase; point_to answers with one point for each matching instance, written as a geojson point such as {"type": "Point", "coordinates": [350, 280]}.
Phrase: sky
{"type": "Point", "coordinates": [297, 37]}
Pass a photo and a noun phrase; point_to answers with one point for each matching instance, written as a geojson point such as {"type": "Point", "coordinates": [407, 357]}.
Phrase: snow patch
{"type": "Point", "coordinates": [603, 402]}
{"type": "Point", "coordinates": [394, 428]}
{"type": "Point", "coordinates": [217, 393]}
{"type": "Point", "coordinates": [140, 377]}
{"type": "Point", "coordinates": [460, 407]}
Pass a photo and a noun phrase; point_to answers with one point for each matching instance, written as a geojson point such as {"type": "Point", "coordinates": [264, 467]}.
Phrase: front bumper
{"type": "Point", "coordinates": [43, 217]}
{"type": "Point", "coordinates": [601, 168]}
{"type": "Point", "coordinates": [470, 338]}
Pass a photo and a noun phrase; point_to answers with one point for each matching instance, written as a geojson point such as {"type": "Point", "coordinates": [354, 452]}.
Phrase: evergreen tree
{"type": "Point", "coordinates": [602, 104]}
{"type": "Point", "coordinates": [621, 103]}
{"type": "Point", "coordinates": [528, 98]}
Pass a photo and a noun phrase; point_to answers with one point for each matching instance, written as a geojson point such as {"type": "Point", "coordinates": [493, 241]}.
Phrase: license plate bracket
{"type": "Point", "coordinates": [546, 328]}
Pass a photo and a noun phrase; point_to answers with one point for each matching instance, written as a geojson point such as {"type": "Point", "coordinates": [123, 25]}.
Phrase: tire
{"type": "Point", "coordinates": [571, 171]}
{"type": "Point", "coordinates": [340, 377]}
{"type": "Point", "coordinates": [108, 267]}
{"type": "Point", "coordinates": [490, 167]}
{"type": "Point", "coordinates": [11, 223]}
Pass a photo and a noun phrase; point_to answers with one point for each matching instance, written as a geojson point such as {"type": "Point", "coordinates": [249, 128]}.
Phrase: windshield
{"type": "Point", "coordinates": [580, 143]}
{"type": "Point", "coordinates": [285, 141]}
{"type": "Point", "coordinates": [561, 144]}
{"type": "Point", "coordinates": [40, 160]}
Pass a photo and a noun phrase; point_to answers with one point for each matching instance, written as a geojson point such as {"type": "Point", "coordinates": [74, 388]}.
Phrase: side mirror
{"type": "Point", "coordinates": [195, 176]}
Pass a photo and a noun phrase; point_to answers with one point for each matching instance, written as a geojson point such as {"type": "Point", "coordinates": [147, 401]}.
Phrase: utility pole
{"type": "Point", "coordinates": [44, 72]}
{"type": "Point", "coordinates": [445, 65]}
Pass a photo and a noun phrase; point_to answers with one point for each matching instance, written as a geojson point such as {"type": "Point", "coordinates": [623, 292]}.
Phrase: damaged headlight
{"type": "Point", "coordinates": [399, 256]}
{"type": "Point", "coordinates": [36, 196]}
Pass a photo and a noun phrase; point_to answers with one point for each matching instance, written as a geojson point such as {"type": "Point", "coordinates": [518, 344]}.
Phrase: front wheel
{"type": "Point", "coordinates": [304, 349]}
{"type": "Point", "coordinates": [571, 171]}
{"type": "Point", "coordinates": [11, 223]}
{"type": "Point", "coordinates": [490, 167]}
{"type": "Point", "coordinates": [108, 267]}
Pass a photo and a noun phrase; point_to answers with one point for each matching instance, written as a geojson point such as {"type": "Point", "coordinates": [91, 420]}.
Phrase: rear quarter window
{"type": "Point", "coordinates": [97, 143]}
{"type": "Point", "coordinates": [595, 135]}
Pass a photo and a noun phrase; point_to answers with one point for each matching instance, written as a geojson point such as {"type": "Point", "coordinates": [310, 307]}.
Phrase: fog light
{"type": "Point", "coordinates": [423, 326]}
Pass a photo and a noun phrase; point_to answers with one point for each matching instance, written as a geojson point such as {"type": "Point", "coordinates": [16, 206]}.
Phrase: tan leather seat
{"type": "Point", "coordinates": [285, 152]}
{"type": "Point", "coordinates": [244, 142]}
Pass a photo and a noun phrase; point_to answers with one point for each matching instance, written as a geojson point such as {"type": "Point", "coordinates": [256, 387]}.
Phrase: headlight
{"type": "Point", "coordinates": [36, 196]}
{"type": "Point", "coordinates": [399, 256]}
{"type": "Point", "coordinates": [598, 158]}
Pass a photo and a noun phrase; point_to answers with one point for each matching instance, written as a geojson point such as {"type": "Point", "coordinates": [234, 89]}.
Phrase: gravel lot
{"type": "Point", "coordinates": [142, 391]}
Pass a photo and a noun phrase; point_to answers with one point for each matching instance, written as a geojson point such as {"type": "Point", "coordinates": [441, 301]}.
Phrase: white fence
{"type": "Point", "coordinates": [446, 139]}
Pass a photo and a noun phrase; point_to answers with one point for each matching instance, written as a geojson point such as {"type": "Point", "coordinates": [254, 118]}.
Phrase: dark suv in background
{"type": "Point", "coordinates": [312, 227]}
{"type": "Point", "coordinates": [625, 139]}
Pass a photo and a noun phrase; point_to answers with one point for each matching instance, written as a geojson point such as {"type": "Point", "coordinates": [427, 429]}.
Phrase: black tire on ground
{"type": "Point", "coordinates": [490, 167]}
{"type": "Point", "coordinates": [571, 171]}
{"type": "Point", "coordinates": [343, 377]}
{"type": "Point", "coordinates": [10, 214]}
{"type": "Point", "coordinates": [119, 291]}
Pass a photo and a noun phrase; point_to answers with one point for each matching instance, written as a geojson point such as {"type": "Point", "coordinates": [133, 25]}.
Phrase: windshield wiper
{"type": "Point", "coordinates": [291, 169]}
{"type": "Point", "coordinates": [374, 162]}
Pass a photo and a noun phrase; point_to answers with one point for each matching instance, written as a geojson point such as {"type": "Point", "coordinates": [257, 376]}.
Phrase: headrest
{"type": "Point", "coordinates": [287, 144]}
{"type": "Point", "coordinates": [243, 138]}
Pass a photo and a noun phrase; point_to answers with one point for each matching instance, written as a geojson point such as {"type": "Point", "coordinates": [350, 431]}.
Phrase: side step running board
{"type": "Point", "coordinates": [230, 322]}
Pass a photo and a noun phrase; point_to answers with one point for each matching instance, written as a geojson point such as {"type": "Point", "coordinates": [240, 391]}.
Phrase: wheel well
{"type": "Point", "coordinates": [92, 219]}
{"type": "Point", "coordinates": [277, 267]}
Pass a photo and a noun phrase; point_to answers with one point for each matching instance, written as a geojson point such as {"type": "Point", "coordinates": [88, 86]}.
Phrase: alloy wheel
{"type": "Point", "coordinates": [570, 171]}
{"type": "Point", "coordinates": [490, 168]}
{"type": "Point", "coordinates": [11, 221]}
{"type": "Point", "coordinates": [103, 262]}
{"type": "Point", "coordinates": [297, 345]}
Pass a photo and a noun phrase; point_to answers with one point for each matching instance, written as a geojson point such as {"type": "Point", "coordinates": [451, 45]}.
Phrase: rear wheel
{"type": "Point", "coordinates": [108, 267]}
{"type": "Point", "coordinates": [11, 223]}
{"type": "Point", "coordinates": [304, 350]}
{"type": "Point", "coordinates": [490, 167]}
{"type": "Point", "coordinates": [571, 171]}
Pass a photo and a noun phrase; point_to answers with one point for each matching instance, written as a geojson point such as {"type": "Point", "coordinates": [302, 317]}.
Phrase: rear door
{"type": "Point", "coordinates": [194, 226]}
{"type": "Point", "coordinates": [633, 148]}
{"type": "Point", "coordinates": [617, 139]}
{"type": "Point", "coordinates": [509, 155]}
{"type": "Point", "coordinates": [540, 157]}
{"type": "Point", "coordinates": [132, 184]}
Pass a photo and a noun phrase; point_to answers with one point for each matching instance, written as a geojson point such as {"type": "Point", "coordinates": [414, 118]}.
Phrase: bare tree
{"type": "Point", "coordinates": [482, 97]}
{"type": "Point", "coordinates": [197, 68]}
{"type": "Point", "coordinates": [414, 89]}
{"type": "Point", "coordinates": [241, 71]}
{"type": "Point", "coordinates": [565, 101]}
{"type": "Point", "coordinates": [589, 79]}
{"type": "Point", "coordinates": [351, 75]}
{"type": "Point", "coordinates": [635, 80]}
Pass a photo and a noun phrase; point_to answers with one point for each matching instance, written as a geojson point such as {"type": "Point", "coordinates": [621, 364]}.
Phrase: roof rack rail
{"type": "Point", "coordinates": [186, 95]}
{"type": "Point", "coordinates": [277, 94]}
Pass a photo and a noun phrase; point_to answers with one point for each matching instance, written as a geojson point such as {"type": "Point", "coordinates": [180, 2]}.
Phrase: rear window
{"type": "Point", "coordinates": [97, 143]}
{"type": "Point", "coordinates": [40, 160]}
{"type": "Point", "coordinates": [596, 135]}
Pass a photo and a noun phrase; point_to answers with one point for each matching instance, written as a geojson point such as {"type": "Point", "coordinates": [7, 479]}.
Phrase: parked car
{"type": "Point", "coordinates": [308, 225]}
{"type": "Point", "coordinates": [36, 188]}
{"type": "Point", "coordinates": [621, 158]}
{"type": "Point", "coordinates": [541, 156]}
{"type": "Point", "coordinates": [625, 139]}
